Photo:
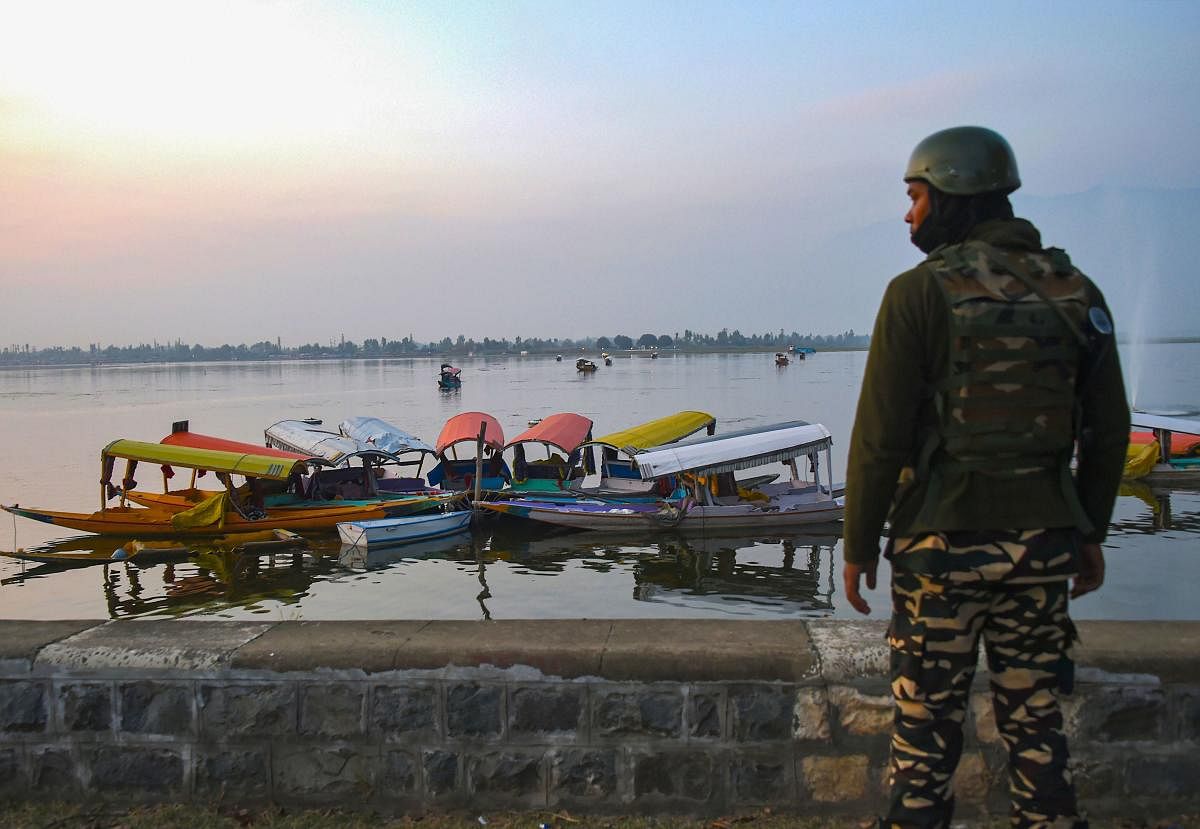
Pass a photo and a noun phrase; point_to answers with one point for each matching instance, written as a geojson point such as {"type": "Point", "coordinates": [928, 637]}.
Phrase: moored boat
{"type": "Point", "coordinates": [563, 433]}
{"type": "Point", "coordinates": [1165, 451]}
{"type": "Point", "coordinates": [456, 451]}
{"type": "Point", "coordinates": [611, 456]}
{"type": "Point", "coordinates": [407, 530]}
{"type": "Point", "coordinates": [714, 500]}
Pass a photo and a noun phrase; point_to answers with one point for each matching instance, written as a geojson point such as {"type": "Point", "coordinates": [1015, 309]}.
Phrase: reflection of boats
{"type": "Point", "coordinates": [585, 365]}
{"type": "Point", "coordinates": [714, 500]}
{"type": "Point", "coordinates": [1168, 454]}
{"type": "Point", "coordinates": [781, 359]}
{"type": "Point", "coordinates": [357, 557]}
{"type": "Point", "coordinates": [392, 531]}
{"type": "Point", "coordinates": [612, 455]}
{"type": "Point", "coordinates": [100, 550]}
{"type": "Point", "coordinates": [470, 429]}
{"type": "Point", "coordinates": [563, 432]}
{"type": "Point", "coordinates": [229, 511]}
{"type": "Point", "coordinates": [448, 377]}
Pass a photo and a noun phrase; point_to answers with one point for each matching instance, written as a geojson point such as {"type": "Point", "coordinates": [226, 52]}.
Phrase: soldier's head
{"type": "Point", "coordinates": [956, 179]}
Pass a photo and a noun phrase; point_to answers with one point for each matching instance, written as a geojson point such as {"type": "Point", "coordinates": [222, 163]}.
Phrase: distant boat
{"type": "Point", "coordinates": [449, 378]}
{"type": "Point", "coordinates": [607, 360]}
{"type": "Point", "coordinates": [584, 365]}
{"type": "Point", "coordinates": [558, 358]}
{"type": "Point", "coordinates": [781, 359]}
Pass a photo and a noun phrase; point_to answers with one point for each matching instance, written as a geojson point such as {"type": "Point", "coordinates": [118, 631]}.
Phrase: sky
{"type": "Point", "coordinates": [241, 171]}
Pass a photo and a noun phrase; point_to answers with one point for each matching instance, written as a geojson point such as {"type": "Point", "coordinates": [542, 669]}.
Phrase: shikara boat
{"type": "Point", "coordinates": [714, 500]}
{"type": "Point", "coordinates": [409, 451]}
{"type": "Point", "coordinates": [781, 359]}
{"type": "Point", "coordinates": [611, 455]}
{"type": "Point", "coordinates": [585, 365]}
{"type": "Point", "coordinates": [233, 510]}
{"type": "Point", "coordinates": [1164, 451]}
{"type": "Point", "coordinates": [558, 437]}
{"type": "Point", "coordinates": [458, 446]}
{"type": "Point", "coordinates": [448, 377]}
{"type": "Point", "coordinates": [385, 532]}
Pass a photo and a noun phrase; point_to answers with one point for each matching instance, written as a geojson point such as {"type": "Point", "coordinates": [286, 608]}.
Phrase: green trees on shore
{"type": "Point", "coordinates": [381, 347]}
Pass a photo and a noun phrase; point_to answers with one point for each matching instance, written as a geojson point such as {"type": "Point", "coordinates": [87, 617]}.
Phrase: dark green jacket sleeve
{"type": "Point", "coordinates": [1104, 435]}
{"type": "Point", "coordinates": [886, 423]}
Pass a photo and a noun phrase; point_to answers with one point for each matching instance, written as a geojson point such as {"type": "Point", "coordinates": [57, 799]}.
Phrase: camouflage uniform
{"type": "Point", "coordinates": [948, 590]}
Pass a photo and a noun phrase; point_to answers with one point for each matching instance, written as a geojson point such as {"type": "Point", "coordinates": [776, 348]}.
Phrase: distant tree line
{"type": "Point", "coordinates": [180, 352]}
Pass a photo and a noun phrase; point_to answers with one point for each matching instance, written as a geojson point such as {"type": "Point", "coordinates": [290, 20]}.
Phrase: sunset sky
{"type": "Point", "coordinates": [238, 171]}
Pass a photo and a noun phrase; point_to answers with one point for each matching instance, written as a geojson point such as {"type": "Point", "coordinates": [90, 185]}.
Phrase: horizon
{"type": "Point", "coordinates": [201, 170]}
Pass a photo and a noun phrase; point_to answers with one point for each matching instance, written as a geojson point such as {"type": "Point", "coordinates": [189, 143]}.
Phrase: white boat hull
{"type": "Point", "coordinates": [403, 530]}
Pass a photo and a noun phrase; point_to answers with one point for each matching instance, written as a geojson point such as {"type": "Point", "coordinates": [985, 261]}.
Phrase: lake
{"type": "Point", "coordinates": [55, 421]}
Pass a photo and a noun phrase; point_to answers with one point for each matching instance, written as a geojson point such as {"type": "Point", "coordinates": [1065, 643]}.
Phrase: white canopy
{"type": "Point", "coordinates": [1182, 425]}
{"type": "Point", "coordinates": [736, 450]}
{"type": "Point", "coordinates": [307, 439]}
{"type": "Point", "coordinates": [382, 435]}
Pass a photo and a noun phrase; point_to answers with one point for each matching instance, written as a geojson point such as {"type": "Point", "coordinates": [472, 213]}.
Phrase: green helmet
{"type": "Point", "coordinates": [965, 161]}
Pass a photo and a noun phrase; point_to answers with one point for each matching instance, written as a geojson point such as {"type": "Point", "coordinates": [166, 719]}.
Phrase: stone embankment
{"type": "Point", "coordinates": [692, 717]}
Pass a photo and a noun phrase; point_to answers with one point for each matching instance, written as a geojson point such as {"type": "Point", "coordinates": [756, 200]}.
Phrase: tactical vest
{"type": "Point", "coordinates": [1007, 401]}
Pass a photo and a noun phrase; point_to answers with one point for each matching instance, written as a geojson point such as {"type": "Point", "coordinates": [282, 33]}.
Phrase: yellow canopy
{"type": "Point", "coordinates": [657, 432]}
{"type": "Point", "coordinates": [252, 466]}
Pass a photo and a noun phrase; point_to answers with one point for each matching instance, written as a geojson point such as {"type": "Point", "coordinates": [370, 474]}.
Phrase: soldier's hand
{"type": "Point", "coordinates": [851, 576]}
{"type": "Point", "coordinates": [1091, 570]}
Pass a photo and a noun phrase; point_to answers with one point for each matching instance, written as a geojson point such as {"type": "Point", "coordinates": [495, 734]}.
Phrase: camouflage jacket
{"type": "Point", "coordinates": [896, 411]}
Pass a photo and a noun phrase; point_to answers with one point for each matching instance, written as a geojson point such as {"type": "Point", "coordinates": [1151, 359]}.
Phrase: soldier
{"type": "Point", "coordinates": [992, 365]}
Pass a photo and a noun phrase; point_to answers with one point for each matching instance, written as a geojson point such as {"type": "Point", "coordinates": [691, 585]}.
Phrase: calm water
{"type": "Point", "coordinates": [53, 423]}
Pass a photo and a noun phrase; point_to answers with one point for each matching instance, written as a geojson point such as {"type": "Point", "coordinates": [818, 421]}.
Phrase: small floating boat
{"type": "Point", "coordinates": [448, 377]}
{"type": "Point", "coordinates": [392, 531]}
{"type": "Point", "coordinates": [585, 365]}
{"type": "Point", "coordinates": [781, 359]}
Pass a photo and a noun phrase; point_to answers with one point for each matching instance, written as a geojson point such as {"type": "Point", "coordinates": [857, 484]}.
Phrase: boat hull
{"type": "Point", "coordinates": [659, 518]}
{"type": "Point", "coordinates": [156, 523]}
{"type": "Point", "coordinates": [393, 505]}
{"type": "Point", "coordinates": [393, 531]}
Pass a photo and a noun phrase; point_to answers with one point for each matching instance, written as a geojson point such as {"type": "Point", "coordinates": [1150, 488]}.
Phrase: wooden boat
{"type": "Point", "coordinates": [1165, 452]}
{"type": "Point", "coordinates": [409, 451]}
{"type": "Point", "coordinates": [781, 359]}
{"type": "Point", "coordinates": [714, 501]}
{"type": "Point", "coordinates": [392, 531]}
{"type": "Point", "coordinates": [470, 432]}
{"type": "Point", "coordinates": [558, 433]}
{"type": "Point", "coordinates": [448, 377]}
{"type": "Point", "coordinates": [585, 365]}
{"type": "Point", "coordinates": [232, 510]}
{"type": "Point", "coordinates": [611, 455]}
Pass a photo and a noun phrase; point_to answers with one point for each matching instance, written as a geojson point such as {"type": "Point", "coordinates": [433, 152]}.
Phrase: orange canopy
{"type": "Point", "coordinates": [198, 441]}
{"type": "Point", "coordinates": [465, 426]}
{"type": "Point", "coordinates": [564, 431]}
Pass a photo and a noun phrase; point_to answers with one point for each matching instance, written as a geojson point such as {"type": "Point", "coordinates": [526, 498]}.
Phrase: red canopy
{"type": "Point", "coordinates": [198, 441]}
{"type": "Point", "coordinates": [564, 431]}
{"type": "Point", "coordinates": [465, 426]}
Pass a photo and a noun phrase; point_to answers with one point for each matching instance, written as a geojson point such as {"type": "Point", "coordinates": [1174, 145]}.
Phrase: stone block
{"type": "Point", "coordinates": [473, 710]}
{"type": "Point", "coordinates": [1097, 778]}
{"type": "Point", "coordinates": [236, 773]}
{"type": "Point", "coordinates": [972, 778]}
{"type": "Point", "coordinates": [638, 713]}
{"type": "Point", "coordinates": [582, 774]}
{"type": "Point", "coordinates": [23, 707]}
{"type": "Point", "coordinates": [1116, 714]}
{"type": "Point", "coordinates": [676, 775]}
{"type": "Point", "coordinates": [509, 776]}
{"type": "Point", "coordinates": [162, 708]}
{"type": "Point", "coordinates": [810, 715]}
{"type": "Point", "coordinates": [441, 772]}
{"type": "Point", "coordinates": [404, 712]}
{"type": "Point", "coordinates": [53, 769]}
{"type": "Point", "coordinates": [984, 714]}
{"type": "Point", "coordinates": [836, 779]}
{"type": "Point", "coordinates": [704, 720]}
{"type": "Point", "coordinates": [762, 778]}
{"type": "Point", "coordinates": [85, 706]}
{"type": "Point", "coordinates": [12, 773]}
{"type": "Point", "coordinates": [1184, 722]}
{"type": "Point", "coordinates": [398, 773]}
{"type": "Point", "coordinates": [545, 711]}
{"type": "Point", "coordinates": [1163, 776]}
{"type": "Point", "coordinates": [862, 714]}
{"type": "Point", "coordinates": [130, 768]}
{"type": "Point", "coordinates": [322, 773]}
{"type": "Point", "coordinates": [335, 710]}
{"type": "Point", "coordinates": [761, 712]}
{"type": "Point", "coordinates": [228, 712]}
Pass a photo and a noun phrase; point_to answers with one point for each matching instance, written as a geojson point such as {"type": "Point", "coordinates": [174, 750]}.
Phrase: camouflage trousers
{"type": "Point", "coordinates": [934, 637]}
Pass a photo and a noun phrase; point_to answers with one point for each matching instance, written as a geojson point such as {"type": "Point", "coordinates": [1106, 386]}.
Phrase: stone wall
{"type": "Point", "coordinates": [594, 716]}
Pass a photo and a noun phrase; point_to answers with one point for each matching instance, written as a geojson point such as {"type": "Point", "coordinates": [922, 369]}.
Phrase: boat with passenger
{"type": "Point", "coordinates": [585, 365]}
{"type": "Point", "coordinates": [449, 377]}
{"type": "Point", "coordinates": [714, 500]}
